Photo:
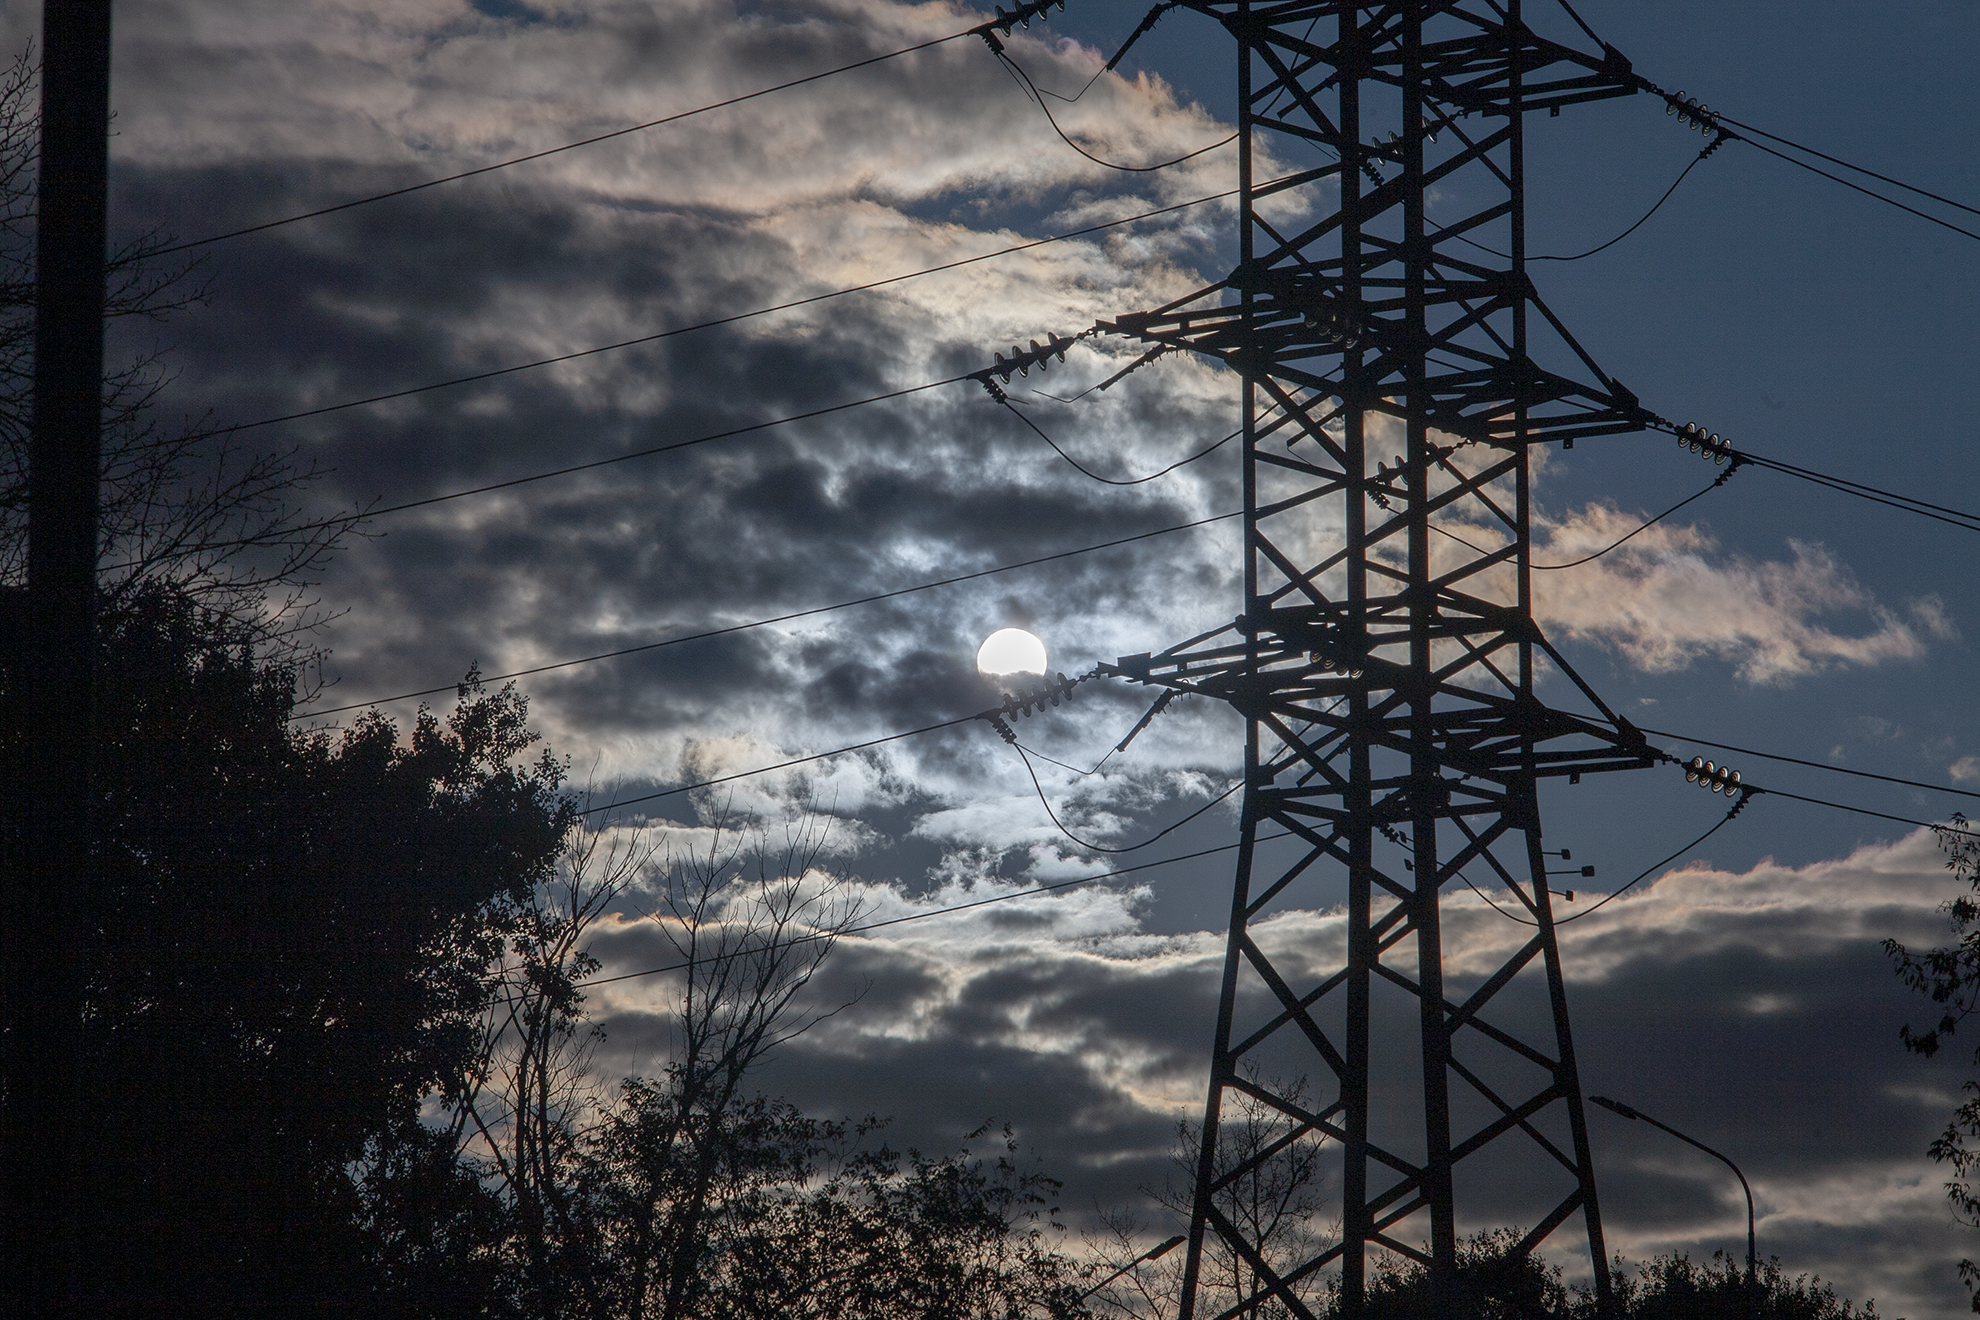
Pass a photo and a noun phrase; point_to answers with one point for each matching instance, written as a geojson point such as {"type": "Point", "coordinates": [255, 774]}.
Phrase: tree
{"type": "Point", "coordinates": [690, 1193]}
{"type": "Point", "coordinates": [199, 508]}
{"type": "Point", "coordinates": [1497, 1281]}
{"type": "Point", "coordinates": [1268, 1183]}
{"type": "Point", "coordinates": [1950, 977]}
{"type": "Point", "coordinates": [292, 931]}
{"type": "Point", "coordinates": [844, 1233]}
{"type": "Point", "coordinates": [1674, 1288]}
{"type": "Point", "coordinates": [611, 1200]}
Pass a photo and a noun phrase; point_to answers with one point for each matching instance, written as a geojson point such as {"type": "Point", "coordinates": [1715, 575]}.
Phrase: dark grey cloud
{"type": "Point", "coordinates": [1771, 1038]}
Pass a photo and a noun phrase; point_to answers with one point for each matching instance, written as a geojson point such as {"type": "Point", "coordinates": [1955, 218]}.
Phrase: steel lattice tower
{"type": "Point", "coordinates": [1385, 666]}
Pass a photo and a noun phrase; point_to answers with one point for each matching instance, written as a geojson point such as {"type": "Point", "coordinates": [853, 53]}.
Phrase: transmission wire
{"type": "Point", "coordinates": [1052, 119]}
{"type": "Point", "coordinates": [706, 325]}
{"type": "Point", "coordinates": [1095, 847]}
{"type": "Point", "coordinates": [552, 151]}
{"type": "Point", "coordinates": [1205, 452]}
{"type": "Point", "coordinates": [1644, 527]}
{"type": "Point", "coordinates": [1867, 192]}
{"type": "Point", "coordinates": [941, 912]}
{"type": "Point", "coordinates": [1641, 220]}
{"type": "Point", "coordinates": [1646, 84]}
{"type": "Point", "coordinates": [784, 618]}
{"type": "Point", "coordinates": [1835, 160]}
{"type": "Point", "coordinates": [1812, 765]}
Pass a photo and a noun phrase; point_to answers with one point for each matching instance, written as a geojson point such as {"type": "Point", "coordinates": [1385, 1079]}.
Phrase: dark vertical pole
{"type": "Point", "coordinates": [1568, 1077]}
{"type": "Point", "coordinates": [1426, 762]}
{"type": "Point", "coordinates": [1357, 1223]}
{"type": "Point", "coordinates": [43, 1133]}
{"type": "Point", "coordinates": [1222, 1066]}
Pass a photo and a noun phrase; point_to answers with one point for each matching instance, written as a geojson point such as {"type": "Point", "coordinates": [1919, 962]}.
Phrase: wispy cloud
{"type": "Point", "coordinates": [1671, 597]}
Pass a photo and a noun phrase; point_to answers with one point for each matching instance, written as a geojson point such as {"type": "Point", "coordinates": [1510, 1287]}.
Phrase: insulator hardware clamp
{"type": "Point", "coordinates": [1688, 111]}
{"type": "Point", "coordinates": [1709, 443]}
{"type": "Point", "coordinates": [1022, 360]}
{"type": "Point", "coordinates": [1053, 692]}
{"type": "Point", "coordinates": [1718, 778]}
{"type": "Point", "coordinates": [1019, 17]}
{"type": "Point", "coordinates": [1056, 689]}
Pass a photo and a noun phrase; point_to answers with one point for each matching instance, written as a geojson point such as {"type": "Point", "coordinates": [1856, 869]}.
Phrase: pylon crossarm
{"type": "Point", "coordinates": [1292, 1276]}
{"type": "Point", "coordinates": [1313, 755]}
{"type": "Point", "coordinates": [1337, 481]}
{"type": "Point", "coordinates": [1476, 656]}
{"type": "Point", "coordinates": [1624, 729]}
{"type": "Point", "coordinates": [1258, 904]}
{"type": "Point", "coordinates": [1497, 1034]}
{"type": "Point", "coordinates": [1274, 1025]}
{"type": "Point", "coordinates": [1476, 845]}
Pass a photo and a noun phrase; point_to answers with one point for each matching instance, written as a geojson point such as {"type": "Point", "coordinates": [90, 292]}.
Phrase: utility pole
{"type": "Point", "coordinates": [1386, 658]}
{"type": "Point", "coordinates": [44, 1120]}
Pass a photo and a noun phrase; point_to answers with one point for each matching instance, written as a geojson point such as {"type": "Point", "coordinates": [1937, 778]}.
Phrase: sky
{"type": "Point", "coordinates": [1739, 994]}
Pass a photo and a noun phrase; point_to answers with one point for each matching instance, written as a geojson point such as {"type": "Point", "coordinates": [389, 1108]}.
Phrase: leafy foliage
{"type": "Point", "coordinates": [801, 1220]}
{"type": "Point", "coordinates": [1676, 1288]}
{"type": "Point", "coordinates": [1950, 977]}
{"type": "Point", "coordinates": [290, 936]}
{"type": "Point", "coordinates": [211, 514]}
{"type": "Point", "coordinates": [1495, 1281]}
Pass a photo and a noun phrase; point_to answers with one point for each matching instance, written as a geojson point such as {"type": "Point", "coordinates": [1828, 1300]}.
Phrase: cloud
{"type": "Point", "coordinates": [1752, 1009]}
{"type": "Point", "coordinates": [1668, 598]}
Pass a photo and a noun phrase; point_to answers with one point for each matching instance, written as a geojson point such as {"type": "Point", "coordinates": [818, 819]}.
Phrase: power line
{"type": "Point", "coordinates": [1185, 857]}
{"type": "Point", "coordinates": [1603, 247]}
{"type": "Point", "coordinates": [1843, 485]}
{"type": "Point", "coordinates": [781, 765]}
{"type": "Point", "coordinates": [1908, 503]}
{"type": "Point", "coordinates": [938, 912]}
{"type": "Point", "coordinates": [1813, 765]}
{"type": "Point", "coordinates": [1860, 811]}
{"type": "Point", "coordinates": [782, 618]}
{"type": "Point", "coordinates": [1836, 160]}
{"type": "Point", "coordinates": [1642, 527]}
{"type": "Point", "coordinates": [1715, 120]}
{"type": "Point", "coordinates": [1867, 192]}
{"type": "Point", "coordinates": [637, 453]}
{"type": "Point", "coordinates": [1101, 848]}
{"type": "Point", "coordinates": [1608, 898]}
{"type": "Point", "coordinates": [568, 146]}
{"type": "Point", "coordinates": [706, 325]}
{"type": "Point", "coordinates": [1084, 470]}
{"type": "Point", "coordinates": [1018, 70]}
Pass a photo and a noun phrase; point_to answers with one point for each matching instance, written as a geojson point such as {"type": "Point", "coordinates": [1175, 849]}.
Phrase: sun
{"type": "Point", "coordinates": [1011, 651]}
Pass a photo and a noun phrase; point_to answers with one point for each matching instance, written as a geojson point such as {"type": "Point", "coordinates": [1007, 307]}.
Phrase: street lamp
{"type": "Point", "coordinates": [1153, 1253]}
{"type": "Point", "coordinates": [1752, 1267]}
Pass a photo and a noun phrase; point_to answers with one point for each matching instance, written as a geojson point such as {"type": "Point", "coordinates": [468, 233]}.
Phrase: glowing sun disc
{"type": "Point", "coordinates": [1011, 651]}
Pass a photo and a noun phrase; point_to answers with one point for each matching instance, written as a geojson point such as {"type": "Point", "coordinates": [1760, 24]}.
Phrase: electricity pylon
{"type": "Point", "coordinates": [1387, 653]}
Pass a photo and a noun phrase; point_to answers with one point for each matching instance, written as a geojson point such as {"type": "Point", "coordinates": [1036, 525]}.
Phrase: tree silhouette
{"type": "Point", "coordinates": [1950, 977]}
{"type": "Point", "coordinates": [292, 931]}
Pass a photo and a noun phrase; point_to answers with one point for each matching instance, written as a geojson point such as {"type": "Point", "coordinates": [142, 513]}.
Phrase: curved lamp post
{"type": "Point", "coordinates": [1752, 1269]}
